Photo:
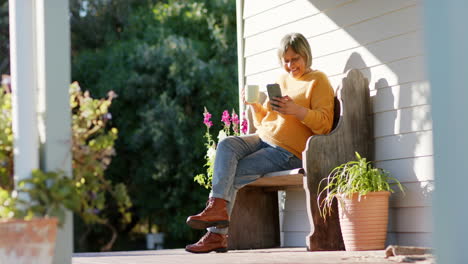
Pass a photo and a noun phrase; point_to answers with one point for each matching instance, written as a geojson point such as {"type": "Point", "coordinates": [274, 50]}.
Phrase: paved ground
{"type": "Point", "coordinates": [258, 256]}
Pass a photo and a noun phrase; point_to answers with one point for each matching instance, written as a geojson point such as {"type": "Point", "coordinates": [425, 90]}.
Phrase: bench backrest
{"type": "Point", "coordinates": [353, 133]}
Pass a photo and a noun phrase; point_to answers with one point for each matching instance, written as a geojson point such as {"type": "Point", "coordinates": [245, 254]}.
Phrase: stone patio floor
{"type": "Point", "coordinates": [257, 256]}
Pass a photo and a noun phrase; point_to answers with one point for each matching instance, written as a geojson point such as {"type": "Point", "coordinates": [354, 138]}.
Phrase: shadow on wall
{"type": "Point", "coordinates": [386, 126]}
{"type": "Point", "coordinates": [355, 61]}
{"type": "Point", "coordinates": [400, 96]}
{"type": "Point", "coordinates": [401, 72]}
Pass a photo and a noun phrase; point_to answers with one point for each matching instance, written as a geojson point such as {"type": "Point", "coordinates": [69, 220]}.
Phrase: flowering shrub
{"type": "Point", "coordinates": [93, 148]}
{"type": "Point", "coordinates": [6, 136]}
{"type": "Point", "coordinates": [88, 192]}
{"type": "Point", "coordinates": [229, 121]}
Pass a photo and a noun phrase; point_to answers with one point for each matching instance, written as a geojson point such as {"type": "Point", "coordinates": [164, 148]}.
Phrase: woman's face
{"type": "Point", "coordinates": [294, 64]}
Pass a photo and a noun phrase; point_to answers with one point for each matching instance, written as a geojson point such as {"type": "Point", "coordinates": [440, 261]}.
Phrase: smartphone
{"type": "Point", "coordinates": [274, 90]}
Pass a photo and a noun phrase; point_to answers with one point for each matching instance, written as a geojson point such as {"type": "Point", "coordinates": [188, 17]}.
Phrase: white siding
{"type": "Point", "coordinates": [384, 40]}
{"type": "Point", "coordinates": [294, 223]}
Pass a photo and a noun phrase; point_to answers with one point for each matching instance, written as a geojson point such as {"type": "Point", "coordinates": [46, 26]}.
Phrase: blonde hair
{"type": "Point", "coordinates": [299, 44]}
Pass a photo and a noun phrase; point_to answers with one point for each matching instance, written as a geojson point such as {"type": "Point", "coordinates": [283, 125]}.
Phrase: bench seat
{"type": "Point", "coordinates": [281, 179]}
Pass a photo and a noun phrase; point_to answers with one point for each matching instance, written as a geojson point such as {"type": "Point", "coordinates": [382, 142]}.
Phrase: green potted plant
{"type": "Point", "coordinates": [30, 210]}
{"type": "Point", "coordinates": [363, 193]}
{"type": "Point", "coordinates": [30, 214]}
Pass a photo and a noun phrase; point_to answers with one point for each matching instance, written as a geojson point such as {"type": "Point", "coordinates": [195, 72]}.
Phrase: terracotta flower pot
{"type": "Point", "coordinates": [28, 242]}
{"type": "Point", "coordinates": [364, 221]}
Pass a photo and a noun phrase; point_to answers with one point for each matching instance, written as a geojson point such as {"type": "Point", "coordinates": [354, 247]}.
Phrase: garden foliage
{"type": "Point", "coordinates": [166, 60]}
{"type": "Point", "coordinates": [230, 121]}
{"type": "Point", "coordinates": [6, 137]}
{"type": "Point", "coordinates": [88, 193]}
{"type": "Point", "coordinates": [4, 38]}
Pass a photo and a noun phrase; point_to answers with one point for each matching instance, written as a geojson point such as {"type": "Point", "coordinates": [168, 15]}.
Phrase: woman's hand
{"type": "Point", "coordinates": [255, 106]}
{"type": "Point", "coordinates": [286, 106]}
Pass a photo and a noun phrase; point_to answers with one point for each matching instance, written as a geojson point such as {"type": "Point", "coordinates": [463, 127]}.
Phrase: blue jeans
{"type": "Point", "coordinates": [240, 161]}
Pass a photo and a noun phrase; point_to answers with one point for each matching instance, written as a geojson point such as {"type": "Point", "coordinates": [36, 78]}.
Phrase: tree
{"type": "Point", "coordinates": [165, 60]}
{"type": "Point", "coordinates": [4, 38]}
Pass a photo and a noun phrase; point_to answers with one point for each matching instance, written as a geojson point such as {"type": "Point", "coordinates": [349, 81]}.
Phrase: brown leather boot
{"type": "Point", "coordinates": [215, 214]}
{"type": "Point", "coordinates": [209, 242]}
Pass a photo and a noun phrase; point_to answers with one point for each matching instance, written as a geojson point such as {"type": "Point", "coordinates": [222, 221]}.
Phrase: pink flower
{"type": "Point", "coordinates": [206, 118]}
{"type": "Point", "coordinates": [245, 124]}
{"type": "Point", "coordinates": [235, 118]}
{"type": "Point", "coordinates": [226, 118]}
{"type": "Point", "coordinates": [235, 122]}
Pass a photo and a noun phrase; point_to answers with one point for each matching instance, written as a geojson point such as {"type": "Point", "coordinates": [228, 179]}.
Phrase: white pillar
{"type": "Point", "coordinates": [447, 42]}
{"type": "Point", "coordinates": [23, 83]}
{"type": "Point", "coordinates": [240, 52]}
{"type": "Point", "coordinates": [53, 71]}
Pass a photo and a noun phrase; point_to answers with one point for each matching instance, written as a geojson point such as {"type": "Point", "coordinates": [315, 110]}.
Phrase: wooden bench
{"type": "Point", "coordinates": [255, 217]}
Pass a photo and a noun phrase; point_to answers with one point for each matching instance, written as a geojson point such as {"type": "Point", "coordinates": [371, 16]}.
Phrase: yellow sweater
{"type": "Point", "coordinates": [312, 91]}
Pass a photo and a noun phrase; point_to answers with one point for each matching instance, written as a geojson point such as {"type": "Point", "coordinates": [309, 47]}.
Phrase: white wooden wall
{"type": "Point", "coordinates": [384, 40]}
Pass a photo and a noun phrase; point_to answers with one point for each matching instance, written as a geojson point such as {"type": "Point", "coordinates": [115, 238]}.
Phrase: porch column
{"type": "Point", "coordinates": [447, 42]}
{"type": "Point", "coordinates": [54, 117]}
{"type": "Point", "coordinates": [240, 52]}
{"type": "Point", "coordinates": [23, 83]}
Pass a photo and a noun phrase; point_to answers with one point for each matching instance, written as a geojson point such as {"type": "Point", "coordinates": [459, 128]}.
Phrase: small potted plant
{"type": "Point", "coordinates": [363, 193]}
{"type": "Point", "coordinates": [29, 216]}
